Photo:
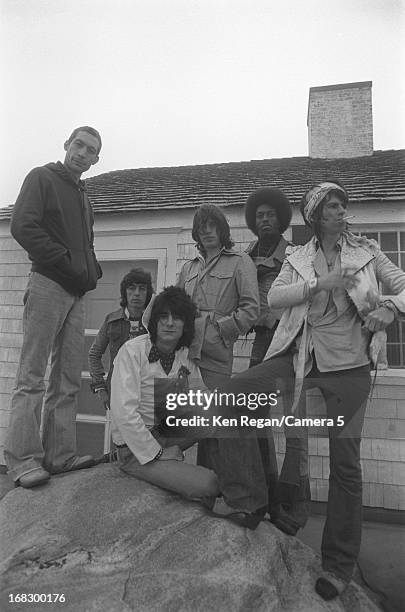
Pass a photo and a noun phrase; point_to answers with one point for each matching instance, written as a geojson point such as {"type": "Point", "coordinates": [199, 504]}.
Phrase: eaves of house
{"type": "Point", "coordinates": [374, 178]}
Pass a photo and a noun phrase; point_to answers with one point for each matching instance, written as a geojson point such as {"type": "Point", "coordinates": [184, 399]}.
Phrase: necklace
{"type": "Point", "coordinates": [330, 260]}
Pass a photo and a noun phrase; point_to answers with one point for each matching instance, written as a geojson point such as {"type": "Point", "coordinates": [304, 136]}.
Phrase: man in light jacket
{"type": "Point", "coordinates": [223, 285]}
{"type": "Point", "coordinates": [333, 323]}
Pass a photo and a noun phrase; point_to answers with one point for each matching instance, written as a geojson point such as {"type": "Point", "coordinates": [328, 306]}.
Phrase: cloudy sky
{"type": "Point", "coordinates": [172, 82]}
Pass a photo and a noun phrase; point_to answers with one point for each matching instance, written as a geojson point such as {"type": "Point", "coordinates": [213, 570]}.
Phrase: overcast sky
{"type": "Point", "coordinates": [173, 82]}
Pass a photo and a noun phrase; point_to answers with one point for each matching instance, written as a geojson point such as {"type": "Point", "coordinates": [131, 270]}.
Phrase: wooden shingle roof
{"type": "Point", "coordinates": [379, 177]}
{"type": "Point", "coordinates": [376, 178]}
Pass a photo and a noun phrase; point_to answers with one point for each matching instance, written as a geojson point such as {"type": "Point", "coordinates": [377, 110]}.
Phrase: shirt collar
{"type": "Point", "coordinates": [166, 360]}
{"type": "Point", "coordinates": [339, 243]}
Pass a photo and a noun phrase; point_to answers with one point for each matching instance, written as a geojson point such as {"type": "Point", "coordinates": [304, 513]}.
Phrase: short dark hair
{"type": "Point", "coordinates": [315, 225]}
{"type": "Point", "coordinates": [209, 212]}
{"type": "Point", "coordinates": [89, 130]}
{"type": "Point", "coordinates": [177, 302]}
{"type": "Point", "coordinates": [136, 276]}
{"type": "Point", "coordinates": [273, 197]}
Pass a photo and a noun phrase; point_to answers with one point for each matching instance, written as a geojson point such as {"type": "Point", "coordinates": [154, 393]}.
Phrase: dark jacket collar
{"type": "Point", "coordinates": [62, 172]}
{"type": "Point", "coordinates": [278, 253]}
{"type": "Point", "coordinates": [116, 315]}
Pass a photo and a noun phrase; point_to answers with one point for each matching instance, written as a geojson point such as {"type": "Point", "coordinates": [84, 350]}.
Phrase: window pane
{"type": "Point", "coordinates": [393, 257]}
{"type": "Point", "coordinates": [402, 240]}
{"type": "Point", "coordinates": [393, 354]}
{"type": "Point", "coordinates": [393, 332]}
{"type": "Point", "coordinates": [403, 261]}
{"type": "Point", "coordinates": [389, 241]}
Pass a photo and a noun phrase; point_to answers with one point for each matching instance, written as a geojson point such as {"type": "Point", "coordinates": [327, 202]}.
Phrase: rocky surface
{"type": "Point", "coordinates": [111, 543]}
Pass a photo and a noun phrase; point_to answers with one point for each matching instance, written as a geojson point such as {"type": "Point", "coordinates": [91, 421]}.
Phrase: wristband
{"type": "Point", "coordinates": [160, 453]}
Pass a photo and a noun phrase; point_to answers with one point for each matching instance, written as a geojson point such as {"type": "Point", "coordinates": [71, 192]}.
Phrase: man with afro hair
{"type": "Point", "coordinates": [268, 215]}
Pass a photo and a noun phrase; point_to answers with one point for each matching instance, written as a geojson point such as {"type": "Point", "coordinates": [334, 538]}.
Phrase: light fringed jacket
{"type": "Point", "coordinates": [364, 259]}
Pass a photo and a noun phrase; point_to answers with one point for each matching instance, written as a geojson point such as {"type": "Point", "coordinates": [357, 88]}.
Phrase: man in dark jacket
{"type": "Point", "coordinates": [53, 221]}
{"type": "Point", "coordinates": [268, 215]}
{"type": "Point", "coordinates": [118, 327]}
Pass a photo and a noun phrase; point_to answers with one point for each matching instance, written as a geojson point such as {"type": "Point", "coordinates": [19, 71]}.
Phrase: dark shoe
{"type": "Point", "coordinates": [329, 586]}
{"type": "Point", "coordinates": [33, 479]}
{"type": "Point", "coordinates": [286, 523]}
{"type": "Point", "coordinates": [75, 463]}
{"type": "Point", "coordinates": [240, 517]}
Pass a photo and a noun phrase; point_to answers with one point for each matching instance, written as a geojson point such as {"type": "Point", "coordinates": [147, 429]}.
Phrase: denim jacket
{"type": "Point", "coordinates": [113, 333]}
{"type": "Point", "coordinates": [267, 272]}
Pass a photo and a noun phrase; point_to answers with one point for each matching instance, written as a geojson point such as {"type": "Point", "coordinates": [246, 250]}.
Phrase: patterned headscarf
{"type": "Point", "coordinates": [315, 196]}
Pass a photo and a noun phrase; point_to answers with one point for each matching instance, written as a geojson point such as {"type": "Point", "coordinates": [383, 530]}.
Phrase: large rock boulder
{"type": "Point", "coordinates": [111, 543]}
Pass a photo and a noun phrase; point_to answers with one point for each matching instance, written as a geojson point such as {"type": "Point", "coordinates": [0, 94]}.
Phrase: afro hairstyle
{"type": "Point", "coordinates": [275, 198]}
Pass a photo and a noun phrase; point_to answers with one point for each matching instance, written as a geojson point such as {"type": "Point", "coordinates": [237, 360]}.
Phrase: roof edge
{"type": "Point", "coordinates": [357, 85]}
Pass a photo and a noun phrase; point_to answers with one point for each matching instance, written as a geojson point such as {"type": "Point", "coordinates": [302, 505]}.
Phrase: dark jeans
{"type": "Point", "coordinates": [236, 460]}
{"type": "Point", "coordinates": [263, 338]}
{"type": "Point", "coordinates": [345, 393]}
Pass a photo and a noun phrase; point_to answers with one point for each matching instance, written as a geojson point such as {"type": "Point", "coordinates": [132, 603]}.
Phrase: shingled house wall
{"type": "Point", "coordinates": [383, 443]}
{"type": "Point", "coordinates": [14, 268]}
{"type": "Point", "coordinates": [383, 447]}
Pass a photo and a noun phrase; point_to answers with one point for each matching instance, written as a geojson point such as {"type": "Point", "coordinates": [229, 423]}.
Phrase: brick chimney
{"type": "Point", "coordinates": [340, 121]}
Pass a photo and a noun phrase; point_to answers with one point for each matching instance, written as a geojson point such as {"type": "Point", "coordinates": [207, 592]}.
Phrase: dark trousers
{"type": "Point", "coordinates": [263, 338]}
{"type": "Point", "coordinates": [345, 393]}
{"type": "Point", "coordinates": [237, 460]}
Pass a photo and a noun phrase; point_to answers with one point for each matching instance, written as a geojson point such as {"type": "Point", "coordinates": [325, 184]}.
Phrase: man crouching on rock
{"type": "Point", "coordinates": [231, 489]}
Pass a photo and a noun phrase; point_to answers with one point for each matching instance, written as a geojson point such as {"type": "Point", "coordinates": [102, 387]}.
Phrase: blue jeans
{"type": "Point", "coordinates": [53, 323]}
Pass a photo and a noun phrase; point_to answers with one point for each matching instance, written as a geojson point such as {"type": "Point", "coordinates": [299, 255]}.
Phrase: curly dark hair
{"type": "Point", "coordinates": [177, 302]}
{"type": "Point", "coordinates": [276, 199]}
{"type": "Point", "coordinates": [209, 212]}
{"type": "Point", "coordinates": [315, 225]}
{"type": "Point", "coordinates": [136, 276]}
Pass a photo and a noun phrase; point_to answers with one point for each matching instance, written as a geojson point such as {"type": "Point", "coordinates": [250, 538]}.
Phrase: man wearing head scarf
{"type": "Point", "coordinates": [331, 329]}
